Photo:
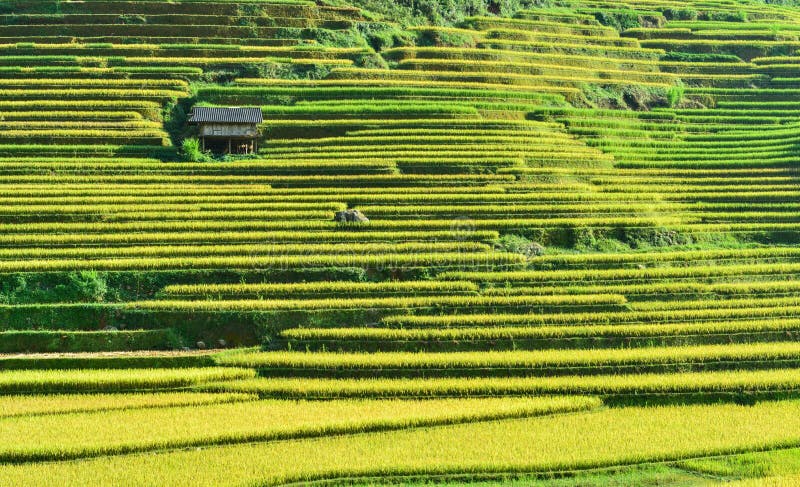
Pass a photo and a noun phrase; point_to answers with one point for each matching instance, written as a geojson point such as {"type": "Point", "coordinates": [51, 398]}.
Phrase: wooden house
{"type": "Point", "coordinates": [228, 130]}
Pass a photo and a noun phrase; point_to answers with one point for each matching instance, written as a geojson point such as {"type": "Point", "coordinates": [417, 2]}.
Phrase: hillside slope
{"type": "Point", "coordinates": [585, 198]}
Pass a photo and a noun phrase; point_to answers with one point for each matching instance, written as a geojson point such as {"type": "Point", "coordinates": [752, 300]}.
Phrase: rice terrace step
{"type": "Point", "coordinates": [369, 242]}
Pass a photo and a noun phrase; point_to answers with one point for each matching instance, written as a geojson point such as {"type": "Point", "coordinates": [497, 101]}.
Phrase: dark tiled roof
{"type": "Point", "coordinates": [226, 115]}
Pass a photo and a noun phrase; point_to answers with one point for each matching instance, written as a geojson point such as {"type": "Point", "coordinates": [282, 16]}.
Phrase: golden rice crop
{"type": "Point", "coordinates": [670, 383]}
{"type": "Point", "coordinates": [684, 289]}
{"type": "Point", "coordinates": [595, 318]}
{"type": "Point", "coordinates": [500, 332]}
{"type": "Point", "coordinates": [514, 359]}
{"type": "Point", "coordinates": [323, 287]}
{"type": "Point", "coordinates": [465, 259]}
{"type": "Point", "coordinates": [671, 256]}
{"type": "Point", "coordinates": [614, 436]}
{"type": "Point", "coordinates": [58, 437]}
{"type": "Point", "coordinates": [244, 236]}
{"type": "Point", "coordinates": [626, 274]}
{"type": "Point", "coordinates": [246, 249]}
{"type": "Point", "coordinates": [388, 303]}
{"type": "Point", "coordinates": [74, 403]}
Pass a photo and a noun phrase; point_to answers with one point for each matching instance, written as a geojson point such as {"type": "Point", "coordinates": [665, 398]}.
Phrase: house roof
{"type": "Point", "coordinates": [226, 115]}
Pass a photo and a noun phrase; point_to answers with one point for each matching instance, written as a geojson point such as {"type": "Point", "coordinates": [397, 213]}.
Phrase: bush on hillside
{"type": "Point", "coordinates": [675, 95]}
{"type": "Point", "coordinates": [440, 12]}
{"type": "Point", "coordinates": [190, 149]}
{"type": "Point", "coordinates": [680, 14]}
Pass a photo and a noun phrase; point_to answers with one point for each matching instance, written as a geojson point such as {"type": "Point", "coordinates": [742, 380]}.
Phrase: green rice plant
{"type": "Point", "coordinates": [746, 49]}
{"type": "Point", "coordinates": [743, 228]}
{"type": "Point", "coordinates": [89, 94]}
{"type": "Point", "coordinates": [596, 318]}
{"type": "Point", "coordinates": [499, 54]}
{"type": "Point", "coordinates": [677, 383]}
{"type": "Point", "coordinates": [571, 45]}
{"type": "Point", "coordinates": [513, 359]}
{"type": "Point", "coordinates": [107, 116]}
{"type": "Point", "coordinates": [55, 341]}
{"type": "Point", "coordinates": [201, 215]}
{"type": "Point", "coordinates": [587, 275]}
{"type": "Point", "coordinates": [407, 302]}
{"type": "Point", "coordinates": [269, 208]}
{"type": "Point", "coordinates": [247, 249]}
{"type": "Point", "coordinates": [87, 192]}
{"type": "Point", "coordinates": [769, 481]}
{"type": "Point", "coordinates": [529, 91]}
{"type": "Point", "coordinates": [201, 237]}
{"type": "Point", "coordinates": [484, 23]}
{"type": "Point", "coordinates": [411, 260]}
{"type": "Point", "coordinates": [492, 76]}
{"type": "Point", "coordinates": [59, 404]}
{"type": "Point", "coordinates": [658, 289]}
{"type": "Point", "coordinates": [447, 138]}
{"type": "Point", "coordinates": [95, 83]}
{"type": "Point", "coordinates": [380, 225]}
{"type": "Point", "coordinates": [619, 75]}
{"type": "Point", "coordinates": [89, 147]}
{"type": "Point", "coordinates": [321, 288]}
{"type": "Point", "coordinates": [542, 210]}
{"type": "Point", "coordinates": [73, 125]}
{"type": "Point", "coordinates": [366, 109]}
{"type": "Point", "coordinates": [357, 180]}
{"type": "Point", "coordinates": [545, 332]}
{"type": "Point", "coordinates": [148, 357]}
{"type": "Point", "coordinates": [104, 433]}
{"type": "Point", "coordinates": [85, 133]}
{"type": "Point", "coordinates": [671, 256]}
{"type": "Point", "coordinates": [523, 36]}
{"type": "Point", "coordinates": [732, 303]}
{"type": "Point", "coordinates": [97, 381]}
{"type": "Point", "coordinates": [488, 198]}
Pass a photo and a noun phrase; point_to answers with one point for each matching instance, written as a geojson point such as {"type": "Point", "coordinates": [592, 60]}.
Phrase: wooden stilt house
{"type": "Point", "coordinates": [228, 130]}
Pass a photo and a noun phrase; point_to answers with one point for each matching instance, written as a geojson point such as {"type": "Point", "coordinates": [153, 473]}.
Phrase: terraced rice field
{"type": "Point", "coordinates": [581, 260]}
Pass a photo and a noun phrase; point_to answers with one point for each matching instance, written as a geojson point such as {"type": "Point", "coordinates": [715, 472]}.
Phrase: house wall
{"type": "Point", "coordinates": [228, 130]}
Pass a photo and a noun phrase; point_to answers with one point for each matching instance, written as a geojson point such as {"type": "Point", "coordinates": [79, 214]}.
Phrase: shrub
{"type": "Point", "coordinates": [680, 14]}
{"type": "Point", "coordinates": [520, 245]}
{"type": "Point", "coordinates": [619, 19]}
{"type": "Point", "coordinates": [191, 151]}
{"type": "Point", "coordinates": [86, 286]}
{"type": "Point", "coordinates": [675, 95]}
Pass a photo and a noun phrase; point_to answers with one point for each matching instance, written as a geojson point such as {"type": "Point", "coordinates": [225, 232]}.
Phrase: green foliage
{"type": "Point", "coordinates": [694, 57]}
{"type": "Point", "coordinates": [75, 342]}
{"type": "Point", "coordinates": [622, 97]}
{"type": "Point", "coordinates": [726, 16]}
{"type": "Point", "coordinates": [381, 36]}
{"type": "Point", "coordinates": [85, 286]}
{"type": "Point", "coordinates": [439, 12]}
{"type": "Point", "coordinates": [74, 287]}
{"type": "Point", "coordinates": [445, 37]}
{"type": "Point", "coordinates": [192, 152]}
{"type": "Point", "coordinates": [680, 13]}
{"type": "Point", "coordinates": [520, 245]}
{"type": "Point", "coordinates": [675, 95]}
{"type": "Point", "coordinates": [619, 19]}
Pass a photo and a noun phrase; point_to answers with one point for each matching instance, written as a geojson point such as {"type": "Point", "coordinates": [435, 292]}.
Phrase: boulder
{"type": "Point", "coordinates": [533, 249]}
{"type": "Point", "coordinates": [350, 216]}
